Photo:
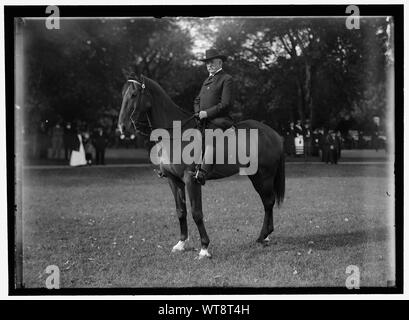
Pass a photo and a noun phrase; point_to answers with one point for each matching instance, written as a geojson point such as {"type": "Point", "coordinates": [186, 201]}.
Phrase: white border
{"type": "Point", "coordinates": [3, 196]}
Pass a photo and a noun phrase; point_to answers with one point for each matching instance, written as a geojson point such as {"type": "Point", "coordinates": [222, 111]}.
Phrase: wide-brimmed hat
{"type": "Point", "coordinates": [213, 54]}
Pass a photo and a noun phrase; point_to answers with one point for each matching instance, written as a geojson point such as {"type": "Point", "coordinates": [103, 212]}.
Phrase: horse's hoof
{"type": "Point", "coordinates": [180, 246]}
{"type": "Point", "coordinates": [204, 253]}
{"type": "Point", "coordinates": [264, 242]}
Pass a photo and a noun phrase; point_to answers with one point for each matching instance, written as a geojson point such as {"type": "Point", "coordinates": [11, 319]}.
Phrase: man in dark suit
{"type": "Point", "coordinates": [331, 146]}
{"type": "Point", "coordinates": [213, 104]}
{"type": "Point", "coordinates": [100, 142]}
{"type": "Point", "coordinates": [307, 139]}
{"type": "Point", "coordinates": [70, 139]}
{"type": "Point", "coordinates": [289, 139]}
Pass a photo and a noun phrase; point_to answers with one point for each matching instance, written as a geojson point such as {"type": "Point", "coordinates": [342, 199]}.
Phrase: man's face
{"type": "Point", "coordinates": [213, 65]}
{"type": "Point", "coordinates": [376, 120]}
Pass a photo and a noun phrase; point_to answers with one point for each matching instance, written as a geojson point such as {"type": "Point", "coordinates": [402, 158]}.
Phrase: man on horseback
{"type": "Point", "coordinates": [212, 106]}
{"type": "Point", "coordinates": [143, 97]}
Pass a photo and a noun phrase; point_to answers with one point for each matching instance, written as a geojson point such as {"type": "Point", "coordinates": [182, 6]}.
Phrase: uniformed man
{"type": "Point", "coordinates": [213, 104]}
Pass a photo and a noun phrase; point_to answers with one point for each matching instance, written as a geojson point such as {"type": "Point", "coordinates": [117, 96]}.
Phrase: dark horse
{"type": "Point", "coordinates": [147, 106]}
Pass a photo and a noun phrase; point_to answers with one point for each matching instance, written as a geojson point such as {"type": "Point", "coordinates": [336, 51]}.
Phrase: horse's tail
{"type": "Point", "coordinates": [279, 180]}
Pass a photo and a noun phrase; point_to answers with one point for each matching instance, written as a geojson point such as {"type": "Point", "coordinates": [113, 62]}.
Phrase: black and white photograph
{"type": "Point", "coordinates": [244, 150]}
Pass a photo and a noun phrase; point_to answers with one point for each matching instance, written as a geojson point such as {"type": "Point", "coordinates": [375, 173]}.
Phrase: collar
{"type": "Point", "coordinates": [212, 75]}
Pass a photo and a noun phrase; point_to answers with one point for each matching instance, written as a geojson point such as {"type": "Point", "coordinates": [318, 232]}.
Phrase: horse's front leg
{"type": "Point", "coordinates": [195, 195]}
{"type": "Point", "coordinates": [178, 190]}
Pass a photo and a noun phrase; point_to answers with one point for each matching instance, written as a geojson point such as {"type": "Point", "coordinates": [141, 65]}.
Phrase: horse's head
{"type": "Point", "coordinates": [135, 105]}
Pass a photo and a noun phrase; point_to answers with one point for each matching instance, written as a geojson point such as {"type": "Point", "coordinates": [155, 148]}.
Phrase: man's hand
{"type": "Point", "coordinates": [202, 115]}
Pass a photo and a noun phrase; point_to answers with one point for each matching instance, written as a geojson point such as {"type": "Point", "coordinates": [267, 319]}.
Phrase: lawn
{"type": "Point", "coordinates": [115, 227]}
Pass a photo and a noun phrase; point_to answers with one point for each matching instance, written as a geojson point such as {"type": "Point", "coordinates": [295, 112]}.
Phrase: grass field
{"type": "Point", "coordinates": [115, 227]}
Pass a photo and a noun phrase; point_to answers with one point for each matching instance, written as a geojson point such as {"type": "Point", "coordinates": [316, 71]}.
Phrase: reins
{"type": "Point", "coordinates": [149, 125]}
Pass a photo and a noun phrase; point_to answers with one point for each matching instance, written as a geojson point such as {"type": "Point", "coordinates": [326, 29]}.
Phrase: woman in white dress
{"type": "Point", "coordinates": [78, 155]}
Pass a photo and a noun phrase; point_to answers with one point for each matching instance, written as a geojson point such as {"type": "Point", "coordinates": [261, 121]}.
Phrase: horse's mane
{"type": "Point", "coordinates": [164, 111]}
{"type": "Point", "coordinates": [153, 85]}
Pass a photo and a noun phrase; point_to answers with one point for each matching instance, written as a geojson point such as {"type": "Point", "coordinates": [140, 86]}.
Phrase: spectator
{"type": "Point", "coordinates": [299, 139]}
{"type": "Point", "coordinates": [361, 141]}
{"type": "Point", "coordinates": [338, 139]}
{"type": "Point", "coordinates": [78, 153]}
{"type": "Point", "coordinates": [100, 142]}
{"type": "Point", "coordinates": [57, 141]}
{"type": "Point", "coordinates": [298, 129]}
{"type": "Point", "coordinates": [69, 140]}
{"type": "Point", "coordinates": [289, 140]}
{"type": "Point", "coordinates": [315, 143]}
{"type": "Point", "coordinates": [374, 130]}
{"type": "Point", "coordinates": [307, 139]}
{"type": "Point", "coordinates": [321, 145]}
{"type": "Point", "coordinates": [331, 148]}
{"type": "Point", "coordinates": [43, 140]}
{"type": "Point", "coordinates": [88, 147]}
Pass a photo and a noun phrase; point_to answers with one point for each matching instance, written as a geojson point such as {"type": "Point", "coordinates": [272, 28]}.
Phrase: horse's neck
{"type": "Point", "coordinates": [165, 111]}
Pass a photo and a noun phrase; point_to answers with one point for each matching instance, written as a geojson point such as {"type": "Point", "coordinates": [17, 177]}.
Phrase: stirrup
{"type": "Point", "coordinates": [159, 173]}
{"type": "Point", "coordinates": [200, 176]}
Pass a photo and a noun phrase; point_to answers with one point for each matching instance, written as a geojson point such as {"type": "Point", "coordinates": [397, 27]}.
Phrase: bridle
{"type": "Point", "coordinates": [142, 123]}
{"type": "Point", "coordinates": [137, 121]}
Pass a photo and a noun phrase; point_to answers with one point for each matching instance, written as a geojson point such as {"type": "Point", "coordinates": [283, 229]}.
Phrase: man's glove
{"type": "Point", "coordinates": [202, 115]}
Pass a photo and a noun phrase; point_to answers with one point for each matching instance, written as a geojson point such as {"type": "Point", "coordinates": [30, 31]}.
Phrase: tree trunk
{"type": "Point", "coordinates": [301, 100]}
{"type": "Point", "coordinates": [308, 90]}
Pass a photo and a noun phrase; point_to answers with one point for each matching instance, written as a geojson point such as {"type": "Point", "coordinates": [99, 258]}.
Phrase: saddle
{"type": "Point", "coordinates": [222, 123]}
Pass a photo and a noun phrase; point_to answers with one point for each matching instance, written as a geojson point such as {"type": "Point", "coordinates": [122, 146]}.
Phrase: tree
{"type": "Point", "coordinates": [77, 72]}
{"type": "Point", "coordinates": [317, 68]}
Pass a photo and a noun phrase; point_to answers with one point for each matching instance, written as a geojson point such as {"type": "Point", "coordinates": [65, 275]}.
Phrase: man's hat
{"type": "Point", "coordinates": [213, 54]}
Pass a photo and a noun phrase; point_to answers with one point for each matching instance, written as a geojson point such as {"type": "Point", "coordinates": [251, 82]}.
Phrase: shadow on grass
{"type": "Point", "coordinates": [281, 243]}
{"type": "Point", "coordinates": [331, 241]}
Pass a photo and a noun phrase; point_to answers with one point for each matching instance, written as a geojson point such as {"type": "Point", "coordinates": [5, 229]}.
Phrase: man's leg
{"type": "Point", "coordinates": [208, 158]}
{"type": "Point", "coordinates": [206, 166]}
{"type": "Point", "coordinates": [97, 156]}
{"type": "Point", "coordinates": [103, 156]}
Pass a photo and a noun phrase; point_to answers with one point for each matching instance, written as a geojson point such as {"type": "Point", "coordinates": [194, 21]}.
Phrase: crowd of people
{"type": "Point", "coordinates": [76, 143]}
{"type": "Point", "coordinates": [301, 140]}
{"type": "Point", "coordinates": [80, 144]}
{"type": "Point", "coordinates": [85, 148]}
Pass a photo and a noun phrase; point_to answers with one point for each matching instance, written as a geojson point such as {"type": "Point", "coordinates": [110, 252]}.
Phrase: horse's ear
{"type": "Point", "coordinates": [132, 76]}
{"type": "Point", "coordinates": [136, 71]}
{"type": "Point", "coordinates": [132, 73]}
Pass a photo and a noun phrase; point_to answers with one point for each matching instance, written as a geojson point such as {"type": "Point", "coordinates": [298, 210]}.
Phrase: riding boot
{"type": "Point", "coordinates": [160, 172]}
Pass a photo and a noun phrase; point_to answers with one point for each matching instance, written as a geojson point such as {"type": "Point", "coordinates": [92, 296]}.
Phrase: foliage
{"type": "Point", "coordinates": [284, 69]}
{"type": "Point", "coordinates": [308, 68]}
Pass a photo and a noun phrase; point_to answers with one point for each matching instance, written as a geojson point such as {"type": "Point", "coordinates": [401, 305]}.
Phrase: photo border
{"type": "Point", "coordinates": [14, 253]}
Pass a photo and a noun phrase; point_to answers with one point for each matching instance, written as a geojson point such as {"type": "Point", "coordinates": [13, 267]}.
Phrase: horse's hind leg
{"type": "Point", "coordinates": [195, 196]}
{"type": "Point", "coordinates": [264, 187]}
{"type": "Point", "coordinates": [268, 223]}
{"type": "Point", "coordinates": [178, 190]}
